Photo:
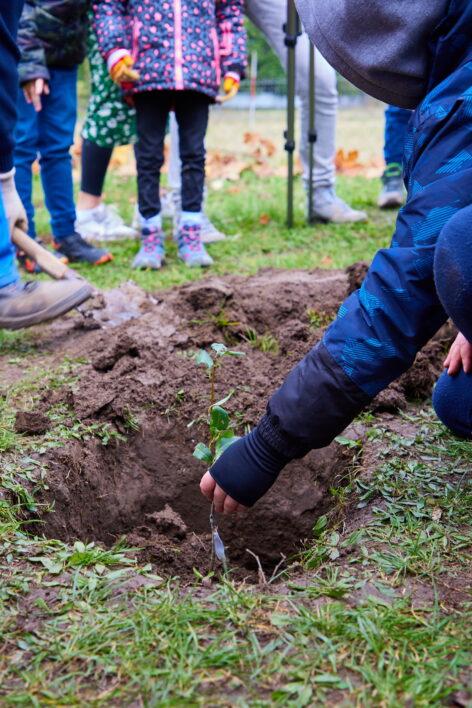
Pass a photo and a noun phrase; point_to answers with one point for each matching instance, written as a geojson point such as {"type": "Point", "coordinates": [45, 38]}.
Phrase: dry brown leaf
{"type": "Point", "coordinates": [264, 219]}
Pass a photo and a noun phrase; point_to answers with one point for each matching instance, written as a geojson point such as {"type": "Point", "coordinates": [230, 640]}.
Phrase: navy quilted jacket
{"type": "Point", "coordinates": [176, 44]}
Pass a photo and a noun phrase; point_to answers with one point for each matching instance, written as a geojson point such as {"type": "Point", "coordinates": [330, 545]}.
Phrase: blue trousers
{"type": "Point", "coordinates": [396, 129]}
{"type": "Point", "coordinates": [452, 397]}
{"type": "Point", "coordinates": [49, 134]}
{"type": "Point", "coordinates": [8, 271]}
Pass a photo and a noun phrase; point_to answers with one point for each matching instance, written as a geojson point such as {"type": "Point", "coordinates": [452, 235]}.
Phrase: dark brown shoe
{"type": "Point", "coordinates": [27, 304]}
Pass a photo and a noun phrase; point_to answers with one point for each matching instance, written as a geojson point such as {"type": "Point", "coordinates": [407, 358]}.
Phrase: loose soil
{"type": "Point", "coordinates": [142, 371]}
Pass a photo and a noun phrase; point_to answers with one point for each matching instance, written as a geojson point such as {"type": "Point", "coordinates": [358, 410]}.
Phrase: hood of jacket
{"type": "Point", "coordinates": [395, 51]}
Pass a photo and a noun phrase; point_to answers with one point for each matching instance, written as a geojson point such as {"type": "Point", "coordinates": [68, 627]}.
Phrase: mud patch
{"type": "Point", "coordinates": [142, 382]}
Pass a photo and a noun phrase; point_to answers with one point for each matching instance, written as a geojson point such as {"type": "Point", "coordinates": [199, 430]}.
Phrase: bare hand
{"type": "Point", "coordinates": [224, 504]}
{"type": "Point", "coordinates": [459, 356]}
{"type": "Point", "coordinates": [33, 90]}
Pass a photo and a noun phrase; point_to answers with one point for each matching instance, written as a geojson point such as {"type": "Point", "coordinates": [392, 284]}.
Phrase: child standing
{"type": "Point", "coordinates": [179, 50]}
{"type": "Point", "coordinates": [51, 38]}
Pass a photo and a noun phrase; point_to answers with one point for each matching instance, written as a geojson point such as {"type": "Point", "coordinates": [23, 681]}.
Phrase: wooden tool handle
{"type": "Point", "coordinates": [46, 261]}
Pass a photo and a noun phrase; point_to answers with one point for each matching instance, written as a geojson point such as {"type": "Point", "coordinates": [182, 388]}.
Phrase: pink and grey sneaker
{"type": "Point", "coordinates": [190, 247]}
{"type": "Point", "coordinates": [151, 255]}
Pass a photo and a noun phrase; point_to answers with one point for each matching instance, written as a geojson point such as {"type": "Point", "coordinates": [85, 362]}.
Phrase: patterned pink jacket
{"type": "Point", "coordinates": [176, 44]}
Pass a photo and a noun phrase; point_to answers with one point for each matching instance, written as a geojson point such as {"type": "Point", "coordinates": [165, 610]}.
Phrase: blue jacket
{"type": "Point", "coordinates": [381, 327]}
{"type": "Point", "coordinates": [10, 11]}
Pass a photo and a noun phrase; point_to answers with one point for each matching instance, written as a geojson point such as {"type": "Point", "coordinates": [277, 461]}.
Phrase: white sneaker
{"type": "Point", "coordinates": [208, 231]}
{"type": "Point", "coordinates": [210, 234]}
{"type": "Point", "coordinates": [330, 208]}
{"type": "Point", "coordinates": [103, 224]}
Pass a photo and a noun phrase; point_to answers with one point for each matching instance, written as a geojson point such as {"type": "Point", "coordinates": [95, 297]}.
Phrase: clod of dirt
{"type": "Point", "coordinates": [210, 296]}
{"type": "Point", "coordinates": [356, 275]}
{"type": "Point", "coordinates": [106, 359]}
{"type": "Point", "coordinates": [168, 522]}
{"type": "Point", "coordinates": [31, 423]}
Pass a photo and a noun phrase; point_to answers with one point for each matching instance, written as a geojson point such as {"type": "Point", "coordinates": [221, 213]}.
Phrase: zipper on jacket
{"type": "Point", "coordinates": [216, 49]}
{"type": "Point", "coordinates": [179, 74]}
{"type": "Point", "coordinates": [136, 30]}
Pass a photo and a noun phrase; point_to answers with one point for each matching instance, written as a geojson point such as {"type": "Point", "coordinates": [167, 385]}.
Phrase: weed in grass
{"type": "Point", "coordinates": [267, 343]}
{"type": "Point", "coordinates": [317, 319]}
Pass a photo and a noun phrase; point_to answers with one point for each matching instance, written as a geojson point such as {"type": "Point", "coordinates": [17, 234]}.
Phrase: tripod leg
{"type": "Point", "coordinates": [311, 135]}
{"type": "Point", "coordinates": [291, 29]}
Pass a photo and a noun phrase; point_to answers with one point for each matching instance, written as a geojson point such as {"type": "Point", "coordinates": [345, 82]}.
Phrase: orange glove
{"type": "Point", "coordinates": [121, 70]}
{"type": "Point", "coordinates": [231, 84]}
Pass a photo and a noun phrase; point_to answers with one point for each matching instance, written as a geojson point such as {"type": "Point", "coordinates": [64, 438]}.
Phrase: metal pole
{"type": "Point", "coordinates": [291, 30]}
{"type": "Point", "coordinates": [311, 136]}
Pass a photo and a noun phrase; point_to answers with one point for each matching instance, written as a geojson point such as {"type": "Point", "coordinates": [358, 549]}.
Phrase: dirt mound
{"type": "Point", "coordinates": [142, 383]}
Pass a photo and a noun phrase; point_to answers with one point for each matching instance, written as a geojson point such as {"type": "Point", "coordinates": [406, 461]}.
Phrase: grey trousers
{"type": "Point", "coordinates": [269, 16]}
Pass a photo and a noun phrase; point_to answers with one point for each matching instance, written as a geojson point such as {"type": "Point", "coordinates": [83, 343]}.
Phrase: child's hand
{"type": "Point", "coordinates": [460, 355]}
{"type": "Point", "coordinates": [33, 90]}
{"type": "Point", "coordinates": [223, 503]}
{"type": "Point", "coordinates": [231, 83]}
{"type": "Point", "coordinates": [121, 70]}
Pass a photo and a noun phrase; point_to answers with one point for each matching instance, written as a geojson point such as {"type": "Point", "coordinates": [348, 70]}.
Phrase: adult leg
{"type": "Point", "coordinates": [56, 136]}
{"type": "Point", "coordinates": [396, 129]}
{"type": "Point", "coordinates": [269, 18]}
{"type": "Point", "coordinates": [25, 153]}
{"type": "Point", "coordinates": [8, 271]}
{"type": "Point", "coordinates": [453, 276]}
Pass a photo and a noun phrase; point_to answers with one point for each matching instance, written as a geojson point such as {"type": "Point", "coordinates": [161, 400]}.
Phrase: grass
{"type": "Point", "coordinates": [251, 245]}
{"type": "Point", "coordinates": [353, 633]}
{"type": "Point", "coordinates": [376, 613]}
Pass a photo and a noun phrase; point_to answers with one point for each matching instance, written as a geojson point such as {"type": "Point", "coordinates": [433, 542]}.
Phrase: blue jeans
{"type": "Point", "coordinates": [49, 134]}
{"type": "Point", "coordinates": [396, 128]}
{"type": "Point", "coordinates": [8, 272]}
{"type": "Point", "coordinates": [452, 397]}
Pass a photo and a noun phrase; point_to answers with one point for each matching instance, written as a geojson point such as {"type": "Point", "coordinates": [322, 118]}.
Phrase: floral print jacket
{"type": "Point", "coordinates": [176, 44]}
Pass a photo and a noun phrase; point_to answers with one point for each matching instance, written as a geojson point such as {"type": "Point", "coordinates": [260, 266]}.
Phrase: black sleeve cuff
{"type": "Point", "coordinates": [248, 468]}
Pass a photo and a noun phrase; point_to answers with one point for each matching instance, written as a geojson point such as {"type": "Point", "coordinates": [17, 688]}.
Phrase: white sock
{"type": "Point", "coordinates": [153, 221]}
{"type": "Point", "coordinates": [191, 218]}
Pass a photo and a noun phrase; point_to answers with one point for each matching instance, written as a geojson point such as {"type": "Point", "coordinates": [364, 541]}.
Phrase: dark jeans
{"type": "Point", "coordinates": [49, 134]}
{"type": "Point", "coordinates": [396, 126]}
{"type": "Point", "coordinates": [453, 275]}
{"type": "Point", "coordinates": [152, 111]}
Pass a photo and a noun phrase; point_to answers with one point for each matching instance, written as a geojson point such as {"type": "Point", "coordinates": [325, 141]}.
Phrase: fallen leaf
{"type": "Point", "coordinates": [264, 219]}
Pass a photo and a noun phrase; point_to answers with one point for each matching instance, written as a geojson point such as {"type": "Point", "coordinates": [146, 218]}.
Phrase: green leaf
{"type": "Point", "coordinates": [219, 418]}
{"type": "Point", "coordinates": [202, 357]}
{"type": "Point", "coordinates": [224, 442]}
{"type": "Point", "coordinates": [202, 452]}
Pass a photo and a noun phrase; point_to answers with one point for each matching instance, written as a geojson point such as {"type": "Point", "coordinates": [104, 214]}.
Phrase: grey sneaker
{"type": "Point", "coordinates": [190, 247]}
{"type": "Point", "coordinates": [151, 255]}
{"type": "Point", "coordinates": [103, 224]}
{"type": "Point", "coordinates": [330, 208]}
{"type": "Point", "coordinates": [393, 191]}
{"type": "Point", "coordinates": [27, 304]}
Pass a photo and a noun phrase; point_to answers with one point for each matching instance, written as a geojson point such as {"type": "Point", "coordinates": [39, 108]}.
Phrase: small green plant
{"type": "Point", "coordinates": [266, 343]}
{"type": "Point", "coordinates": [318, 319]}
{"type": "Point", "coordinates": [131, 421]}
{"type": "Point", "coordinates": [221, 432]}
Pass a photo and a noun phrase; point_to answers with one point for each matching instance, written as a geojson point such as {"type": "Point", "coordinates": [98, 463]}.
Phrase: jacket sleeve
{"type": "Point", "coordinates": [231, 36]}
{"type": "Point", "coordinates": [381, 327]}
{"type": "Point", "coordinates": [111, 26]}
{"type": "Point", "coordinates": [33, 57]}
